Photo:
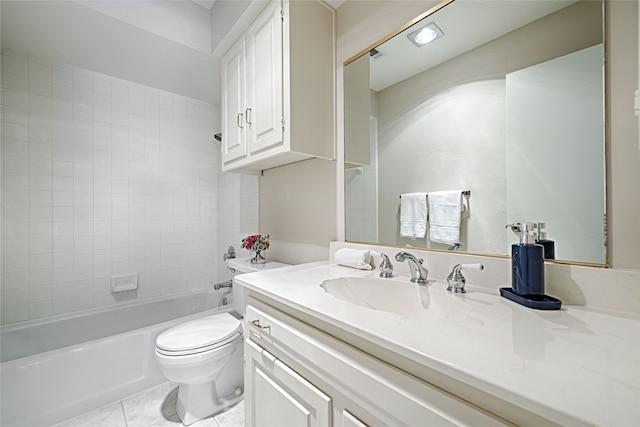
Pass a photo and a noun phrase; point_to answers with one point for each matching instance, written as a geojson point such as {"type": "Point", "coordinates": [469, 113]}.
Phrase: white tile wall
{"type": "Point", "coordinates": [103, 177]}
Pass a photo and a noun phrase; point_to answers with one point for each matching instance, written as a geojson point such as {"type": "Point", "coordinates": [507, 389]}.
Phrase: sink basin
{"type": "Point", "coordinates": [396, 296]}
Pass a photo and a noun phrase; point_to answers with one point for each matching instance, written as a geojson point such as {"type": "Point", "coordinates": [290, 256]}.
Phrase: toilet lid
{"type": "Point", "coordinates": [195, 336]}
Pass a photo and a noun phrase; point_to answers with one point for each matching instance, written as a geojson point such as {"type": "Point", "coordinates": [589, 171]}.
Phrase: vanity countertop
{"type": "Point", "coordinates": [573, 366]}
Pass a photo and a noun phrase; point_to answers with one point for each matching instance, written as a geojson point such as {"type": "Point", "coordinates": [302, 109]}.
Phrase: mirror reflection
{"type": "Point", "coordinates": [504, 103]}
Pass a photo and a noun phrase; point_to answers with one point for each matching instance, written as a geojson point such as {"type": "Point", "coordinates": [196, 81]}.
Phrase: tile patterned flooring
{"type": "Point", "coordinates": [155, 407]}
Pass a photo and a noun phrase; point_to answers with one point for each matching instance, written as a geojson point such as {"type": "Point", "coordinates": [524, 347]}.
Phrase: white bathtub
{"type": "Point", "coordinates": [58, 368]}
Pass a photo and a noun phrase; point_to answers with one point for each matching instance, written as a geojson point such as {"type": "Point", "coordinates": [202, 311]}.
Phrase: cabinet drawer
{"type": "Point", "coordinates": [373, 392]}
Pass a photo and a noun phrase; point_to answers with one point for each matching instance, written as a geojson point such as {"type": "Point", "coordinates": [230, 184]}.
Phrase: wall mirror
{"type": "Point", "coordinates": [505, 103]}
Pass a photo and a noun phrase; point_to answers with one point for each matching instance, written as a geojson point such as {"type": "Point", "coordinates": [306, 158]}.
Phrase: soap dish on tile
{"type": "Point", "coordinates": [539, 302]}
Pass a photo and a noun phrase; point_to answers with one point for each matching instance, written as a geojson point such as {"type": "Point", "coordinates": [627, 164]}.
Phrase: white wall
{"type": "Point", "coordinates": [184, 22]}
{"type": "Point", "coordinates": [104, 177]}
{"type": "Point", "coordinates": [76, 35]}
{"type": "Point", "coordinates": [623, 146]}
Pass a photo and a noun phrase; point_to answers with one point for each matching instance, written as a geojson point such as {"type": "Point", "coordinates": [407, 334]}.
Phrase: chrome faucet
{"type": "Point", "coordinates": [386, 268]}
{"type": "Point", "coordinates": [418, 271]}
{"type": "Point", "coordinates": [454, 246]}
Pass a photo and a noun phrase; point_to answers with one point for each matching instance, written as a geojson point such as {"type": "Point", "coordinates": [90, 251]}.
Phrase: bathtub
{"type": "Point", "coordinates": [55, 369]}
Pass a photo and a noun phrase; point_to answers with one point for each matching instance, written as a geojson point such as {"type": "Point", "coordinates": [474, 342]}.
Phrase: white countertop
{"type": "Point", "coordinates": [573, 366]}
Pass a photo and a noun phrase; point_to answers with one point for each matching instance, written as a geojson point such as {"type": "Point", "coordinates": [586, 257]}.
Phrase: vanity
{"type": "Point", "coordinates": [323, 358]}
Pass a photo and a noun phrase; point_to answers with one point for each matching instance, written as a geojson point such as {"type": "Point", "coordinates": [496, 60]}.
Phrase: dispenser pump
{"type": "Point", "coordinates": [527, 270]}
{"type": "Point", "coordinates": [524, 231]}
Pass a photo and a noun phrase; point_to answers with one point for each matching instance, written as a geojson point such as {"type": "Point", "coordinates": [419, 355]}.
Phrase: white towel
{"type": "Point", "coordinates": [354, 258]}
{"type": "Point", "coordinates": [413, 215]}
{"type": "Point", "coordinates": [444, 216]}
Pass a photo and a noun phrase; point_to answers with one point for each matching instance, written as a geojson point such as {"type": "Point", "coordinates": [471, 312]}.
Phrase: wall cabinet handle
{"type": "Point", "coordinates": [239, 120]}
{"type": "Point", "coordinates": [247, 114]}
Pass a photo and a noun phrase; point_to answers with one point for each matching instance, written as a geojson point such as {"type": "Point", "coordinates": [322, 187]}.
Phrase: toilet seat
{"type": "Point", "coordinates": [199, 335]}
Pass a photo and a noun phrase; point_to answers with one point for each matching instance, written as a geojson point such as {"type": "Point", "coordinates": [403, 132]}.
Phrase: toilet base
{"type": "Point", "coordinates": [199, 401]}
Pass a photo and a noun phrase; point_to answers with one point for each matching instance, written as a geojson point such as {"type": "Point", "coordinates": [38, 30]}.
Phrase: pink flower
{"type": "Point", "coordinates": [256, 242]}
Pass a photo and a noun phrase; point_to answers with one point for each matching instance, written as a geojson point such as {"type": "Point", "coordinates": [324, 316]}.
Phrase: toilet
{"type": "Point", "coordinates": [205, 356]}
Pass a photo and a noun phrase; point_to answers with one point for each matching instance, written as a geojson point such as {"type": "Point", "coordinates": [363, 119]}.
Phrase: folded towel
{"type": "Point", "coordinates": [413, 215]}
{"type": "Point", "coordinates": [444, 216]}
{"type": "Point", "coordinates": [354, 258]}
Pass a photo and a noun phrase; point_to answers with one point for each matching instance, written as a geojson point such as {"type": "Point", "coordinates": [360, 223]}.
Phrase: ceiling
{"type": "Point", "coordinates": [466, 24]}
{"type": "Point", "coordinates": [207, 4]}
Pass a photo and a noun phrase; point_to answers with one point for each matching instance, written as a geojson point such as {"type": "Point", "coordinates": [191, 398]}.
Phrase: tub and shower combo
{"type": "Point", "coordinates": [55, 369]}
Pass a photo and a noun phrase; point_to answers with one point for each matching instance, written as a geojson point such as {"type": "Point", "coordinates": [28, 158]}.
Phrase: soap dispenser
{"type": "Point", "coordinates": [527, 270]}
{"type": "Point", "coordinates": [541, 238]}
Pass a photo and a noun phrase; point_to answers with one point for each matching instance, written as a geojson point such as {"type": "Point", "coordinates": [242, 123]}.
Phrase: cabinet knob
{"type": "Point", "coordinates": [239, 120]}
{"type": "Point", "coordinates": [247, 115]}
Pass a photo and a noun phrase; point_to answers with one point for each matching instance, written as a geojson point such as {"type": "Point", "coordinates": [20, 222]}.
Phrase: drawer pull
{"type": "Point", "coordinates": [257, 324]}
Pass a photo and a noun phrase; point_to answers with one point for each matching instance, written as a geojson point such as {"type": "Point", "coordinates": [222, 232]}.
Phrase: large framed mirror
{"type": "Point", "coordinates": [505, 104]}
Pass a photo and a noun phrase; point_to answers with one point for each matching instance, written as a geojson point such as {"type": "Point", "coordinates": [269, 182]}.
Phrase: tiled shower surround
{"type": "Point", "coordinates": [105, 177]}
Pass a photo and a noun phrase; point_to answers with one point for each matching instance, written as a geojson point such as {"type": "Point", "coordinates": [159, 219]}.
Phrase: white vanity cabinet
{"type": "Point", "coordinates": [278, 88]}
{"type": "Point", "coordinates": [296, 375]}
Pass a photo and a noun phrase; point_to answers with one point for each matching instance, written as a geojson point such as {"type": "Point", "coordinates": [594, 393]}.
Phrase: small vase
{"type": "Point", "coordinates": [258, 258]}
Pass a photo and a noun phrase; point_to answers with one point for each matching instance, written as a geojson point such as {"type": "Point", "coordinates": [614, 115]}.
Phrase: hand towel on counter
{"type": "Point", "coordinates": [445, 209]}
{"type": "Point", "coordinates": [413, 215]}
{"type": "Point", "coordinates": [354, 258]}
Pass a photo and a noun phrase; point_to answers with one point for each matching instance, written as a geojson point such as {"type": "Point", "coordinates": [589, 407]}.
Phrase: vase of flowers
{"type": "Point", "coordinates": [257, 244]}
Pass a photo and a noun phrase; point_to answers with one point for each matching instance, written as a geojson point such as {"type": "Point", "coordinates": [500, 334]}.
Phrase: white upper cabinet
{"type": "Point", "coordinates": [234, 144]}
{"type": "Point", "coordinates": [264, 111]}
{"type": "Point", "coordinates": [278, 97]}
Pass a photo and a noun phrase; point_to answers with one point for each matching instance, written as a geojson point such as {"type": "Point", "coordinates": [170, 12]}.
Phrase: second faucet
{"type": "Point", "coordinates": [418, 271]}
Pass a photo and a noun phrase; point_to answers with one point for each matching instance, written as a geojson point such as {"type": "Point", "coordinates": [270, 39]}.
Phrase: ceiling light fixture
{"type": "Point", "coordinates": [426, 34]}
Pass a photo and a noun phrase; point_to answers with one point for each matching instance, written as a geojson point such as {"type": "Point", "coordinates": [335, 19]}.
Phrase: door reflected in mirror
{"type": "Point", "coordinates": [506, 103]}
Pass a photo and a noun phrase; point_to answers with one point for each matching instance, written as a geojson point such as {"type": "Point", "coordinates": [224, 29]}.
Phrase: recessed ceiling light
{"type": "Point", "coordinates": [425, 34]}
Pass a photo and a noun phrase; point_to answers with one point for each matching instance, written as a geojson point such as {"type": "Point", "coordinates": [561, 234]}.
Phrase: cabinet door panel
{"type": "Point", "coordinates": [265, 81]}
{"type": "Point", "coordinates": [233, 101]}
{"type": "Point", "coordinates": [278, 396]}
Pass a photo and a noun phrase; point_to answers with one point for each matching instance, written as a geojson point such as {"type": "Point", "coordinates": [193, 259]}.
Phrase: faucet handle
{"type": "Point", "coordinates": [231, 253]}
{"type": "Point", "coordinates": [456, 280]}
{"type": "Point", "coordinates": [386, 268]}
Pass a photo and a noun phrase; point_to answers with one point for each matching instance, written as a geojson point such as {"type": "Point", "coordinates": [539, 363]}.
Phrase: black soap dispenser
{"type": "Point", "coordinates": [541, 238]}
{"type": "Point", "coordinates": [527, 271]}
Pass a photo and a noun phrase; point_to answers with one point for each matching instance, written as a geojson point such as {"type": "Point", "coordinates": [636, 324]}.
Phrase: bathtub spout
{"type": "Point", "coordinates": [227, 284]}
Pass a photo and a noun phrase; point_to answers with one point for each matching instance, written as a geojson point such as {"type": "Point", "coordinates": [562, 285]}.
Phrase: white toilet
{"type": "Point", "coordinates": [205, 356]}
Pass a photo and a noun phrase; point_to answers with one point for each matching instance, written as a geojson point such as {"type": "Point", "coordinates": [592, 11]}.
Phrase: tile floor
{"type": "Point", "coordinates": [155, 407]}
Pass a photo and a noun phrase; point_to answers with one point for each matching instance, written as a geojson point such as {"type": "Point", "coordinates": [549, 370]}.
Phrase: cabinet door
{"type": "Point", "coordinates": [264, 110]}
{"type": "Point", "coordinates": [276, 396]}
{"type": "Point", "coordinates": [233, 100]}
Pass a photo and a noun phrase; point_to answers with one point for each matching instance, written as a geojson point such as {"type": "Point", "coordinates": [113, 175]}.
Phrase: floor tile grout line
{"type": "Point", "coordinates": [124, 414]}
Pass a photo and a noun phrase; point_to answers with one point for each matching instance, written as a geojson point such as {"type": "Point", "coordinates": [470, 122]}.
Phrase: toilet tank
{"type": "Point", "coordinates": [242, 266]}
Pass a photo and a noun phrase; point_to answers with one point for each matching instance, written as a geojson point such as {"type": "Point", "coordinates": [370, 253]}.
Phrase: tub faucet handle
{"type": "Point", "coordinates": [231, 253]}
